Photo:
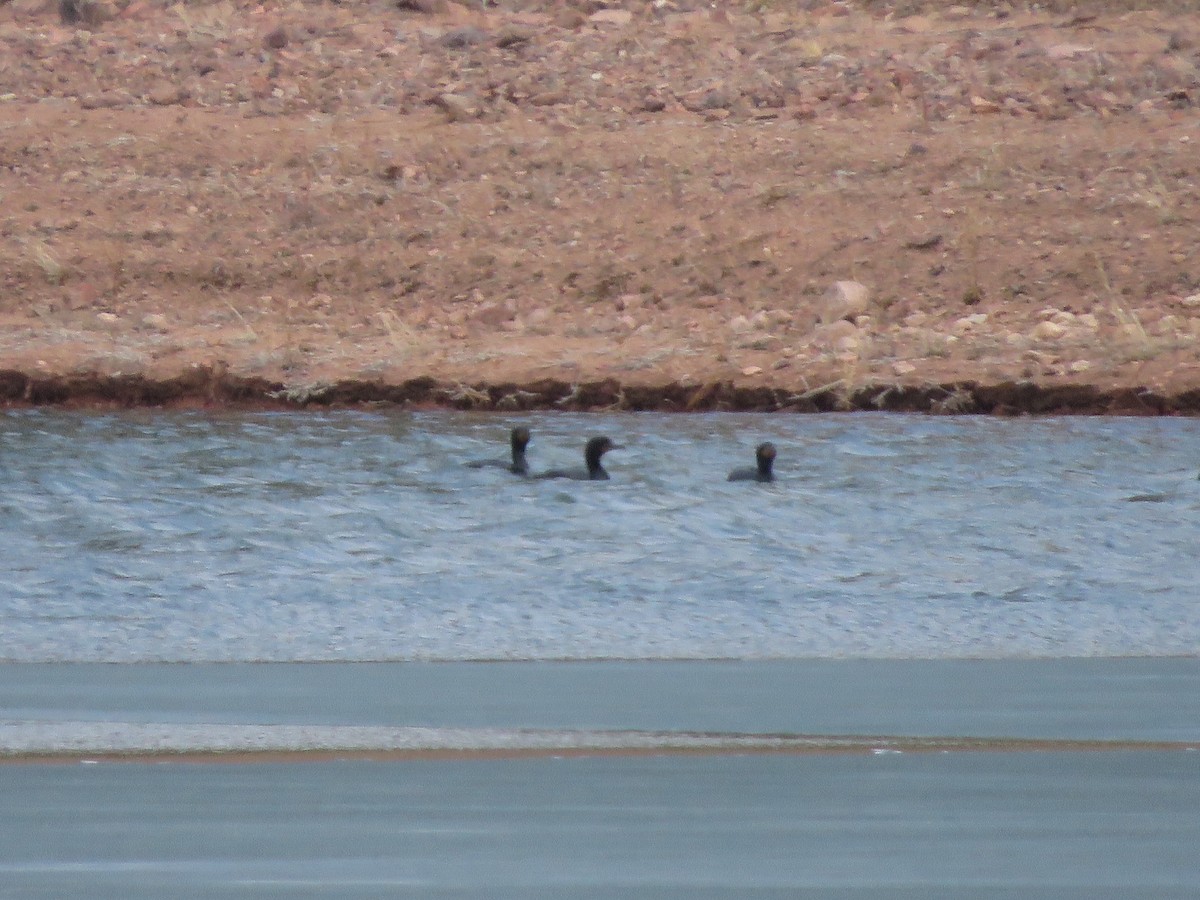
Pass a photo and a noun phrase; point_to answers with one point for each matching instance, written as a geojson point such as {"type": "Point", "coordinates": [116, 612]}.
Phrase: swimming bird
{"type": "Point", "coordinates": [519, 438]}
{"type": "Point", "coordinates": [595, 448]}
{"type": "Point", "coordinates": [765, 457]}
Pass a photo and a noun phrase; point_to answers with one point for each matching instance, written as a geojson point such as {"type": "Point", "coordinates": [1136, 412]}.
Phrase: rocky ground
{"type": "Point", "coordinates": [671, 203]}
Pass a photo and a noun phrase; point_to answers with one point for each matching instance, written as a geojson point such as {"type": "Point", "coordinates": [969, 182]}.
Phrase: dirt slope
{"type": "Point", "coordinates": [535, 196]}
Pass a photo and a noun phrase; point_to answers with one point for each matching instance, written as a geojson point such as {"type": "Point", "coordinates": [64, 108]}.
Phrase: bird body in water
{"type": "Point", "coordinates": [764, 456]}
{"type": "Point", "coordinates": [519, 438]}
{"type": "Point", "coordinates": [592, 452]}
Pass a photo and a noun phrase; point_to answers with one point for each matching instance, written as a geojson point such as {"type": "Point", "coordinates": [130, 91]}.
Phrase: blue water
{"type": "Point", "coordinates": [350, 536]}
{"type": "Point", "coordinates": [665, 610]}
{"type": "Point", "coordinates": [1080, 826]}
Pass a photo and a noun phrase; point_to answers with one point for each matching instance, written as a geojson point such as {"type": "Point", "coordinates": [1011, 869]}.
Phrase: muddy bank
{"type": "Point", "coordinates": [217, 388]}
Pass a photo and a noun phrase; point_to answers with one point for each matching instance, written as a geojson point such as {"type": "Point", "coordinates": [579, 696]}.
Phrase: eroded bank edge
{"type": "Point", "coordinates": [205, 387]}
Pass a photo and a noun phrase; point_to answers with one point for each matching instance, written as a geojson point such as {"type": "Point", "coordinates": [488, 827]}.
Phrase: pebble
{"type": "Point", "coordinates": [166, 94]}
{"type": "Point", "coordinates": [970, 323]}
{"type": "Point", "coordinates": [844, 300]}
{"type": "Point", "coordinates": [840, 335]}
{"type": "Point", "coordinates": [456, 107]}
{"type": "Point", "coordinates": [156, 321]}
{"type": "Point", "coordinates": [611, 17]}
{"type": "Point", "coordinates": [1048, 331]}
{"type": "Point", "coordinates": [466, 36]}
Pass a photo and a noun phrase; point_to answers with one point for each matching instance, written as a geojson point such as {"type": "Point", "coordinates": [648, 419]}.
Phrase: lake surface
{"type": "Point", "coordinates": [1071, 825]}
{"type": "Point", "coordinates": [355, 536]}
{"type": "Point", "coordinates": [951, 658]}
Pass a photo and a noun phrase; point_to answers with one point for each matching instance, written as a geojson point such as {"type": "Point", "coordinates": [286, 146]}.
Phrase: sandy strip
{"type": "Point", "coordinates": [682, 745]}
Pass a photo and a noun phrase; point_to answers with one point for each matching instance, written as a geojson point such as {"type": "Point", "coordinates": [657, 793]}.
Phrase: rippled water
{"type": "Point", "coordinates": [359, 536]}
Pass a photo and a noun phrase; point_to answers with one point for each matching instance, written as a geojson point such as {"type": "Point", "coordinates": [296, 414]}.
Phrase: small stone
{"type": "Point", "coordinates": [923, 242]}
{"type": "Point", "coordinates": [778, 317]}
{"type": "Point", "coordinates": [157, 321]}
{"type": "Point", "coordinates": [569, 19]}
{"type": "Point", "coordinates": [630, 301]}
{"type": "Point", "coordinates": [969, 323]}
{"type": "Point", "coordinates": [611, 17]}
{"type": "Point", "coordinates": [107, 100]}
{"type": "Point", "coordinates": [107, 317]}
{"type": "Point", "coordinates": [549, 98]}
{"type": "Point", "coordinates": [739, 325]}
{"type": "Point", "coordinates": [466, 36]}
{"type": "Point", "coordinates": [844, 300]}
{"type": "Point", "coordinates": [513, 36]}
{"type": "Point", "coordinates": [166, 94]}
{"type": "Point", "coordinates": [752, 370]}
{"type": "Point", "coordinates": [456, 107]}
{"type": "Point", "coordinates": [1048, 331]}
{"type": "Point", "coordinates": [1068, 51]}
{"type": "Point", "coordinates": [840, 334]}
{"type": "Point", "coordinates": [1192, 300]}
{"type": "Point", "coordinates": [1080, 365]}
{"type": "Point", "coordinates": [903, 368]}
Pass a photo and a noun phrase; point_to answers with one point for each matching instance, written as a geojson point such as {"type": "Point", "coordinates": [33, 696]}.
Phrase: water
{"type": "Point", "coordinates": [946, 610]}
{"type": "Point", "coordinates": [351, 536]}
{"type": "Point", "coordinates": [1075, 825]}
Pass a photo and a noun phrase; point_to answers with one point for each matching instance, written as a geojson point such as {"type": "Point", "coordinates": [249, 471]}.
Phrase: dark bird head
{"type": "Point", "coordinates": [520, 439]}
{"type": "Point", "coordinates": [596, 448]}
{"type": "Point", "coordinates": [765, 456]}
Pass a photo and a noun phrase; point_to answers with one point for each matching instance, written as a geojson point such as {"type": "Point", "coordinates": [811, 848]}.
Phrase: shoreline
{"type": "Point", "coordinates": [802, 746]}
{"type": "Point", "coordinates": [209, 387]}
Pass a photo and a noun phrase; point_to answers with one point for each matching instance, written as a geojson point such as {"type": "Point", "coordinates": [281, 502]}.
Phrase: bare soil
{"type": "Point", "coordinates": [602, 204]}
